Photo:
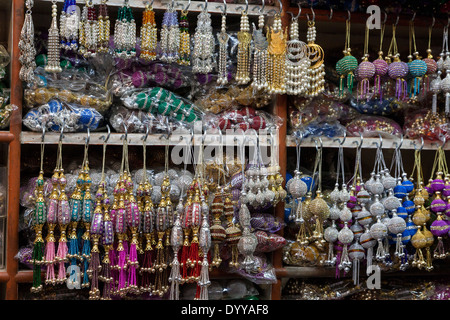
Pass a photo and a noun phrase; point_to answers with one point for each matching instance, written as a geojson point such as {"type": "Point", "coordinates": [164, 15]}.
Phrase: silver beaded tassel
{"type": "Point", "coordinates": [53, 43]}
{"type": "Point", "coordinates": [69, 22]}
{"type": "Point", "coordinates": [297, 63]}
{"type": "Point", "coordinates": [259, 56]}
{"type": "Point", "coordinates": [202, 55]}
{"type": "Point", "coordinates": [125, 33]}
{"type": "Point", "coordinates": [222, 77]}
{"type": "Point", "coordinates": [26, 46]}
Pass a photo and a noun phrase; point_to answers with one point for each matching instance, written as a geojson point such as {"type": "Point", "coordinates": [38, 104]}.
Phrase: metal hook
{"type": "Point", "coordinates": [273, 10]}
{"type": "Point", "coordinates": [313, 13]}
{"type": "Point", "coordinates": [299, 140]}
{"type": "Point", "coordinates": [414, 16]}
{"type": "Point", "coordinates": [125, 136]}
{"type": "Point", "coordinates": [399, 145]}
{"type": "Point", "coordinates": [88, 138]}
{"type": "Point", "coordinates": [414, 143]}
{"type": "Point", "coordinates": [204, 7]}
{"type": "Point", "coordinates": [108, 135]}
{"type": "Point", "coordinates": [343, 140]}
{"type": "Point", "coordinates": [151, 3]}
{"type": "Point", "coordinates": [147, 130]}
{"type": "Point", "coordinates": [241, 7]}
{"type": "Point", "coordinates": [385, 17]}
{"type": "Point", "coordinates": [182, 6]}
{"type": "Point", "coordinates": [444, 142]}
{"type": "Point", "coordinates": [349, 16]}
{"type": "Point", "coordinates": [361, 140]}
{"type": "Point", "coordinates": [43, 134]}
{"type": "Point", "coordinates": [434, 21]}
{"type": "Point", "coordinates": [61, 135]}
{"type": "Point", "coordinates": [396, 21]}
{"type": "Point", "coordinates": [224, 7]}
{"type": "Point", "coordinates": [331, 14]}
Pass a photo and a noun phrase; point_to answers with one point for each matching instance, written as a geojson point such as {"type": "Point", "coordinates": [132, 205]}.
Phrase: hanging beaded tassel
{"type": "Point", "coordinates": [63, 222]}
{"type": "Point", "coordinates": [26, 46]}
{"type": "Point", "coordinates": [202, 54]}
{"type": "Point", "coordinates": [76, 208]}
{"type": "Point", "coordinates": [176, 241]}
{"type": "Point", "coordinates": [259, 55]}
{"type": "Point", "coordinates": [233, 233]}
{"type": "Point", "coordinates": [347, 65]}
{"type": "Point", "coordinates": [276, 62]}
{"type": "Point", "coordinates": [243, 55]}
{"type": "Point", "coordinates": [39, 219]}
{"type": "Point", "coordinates": [431, 64]}
{"type": "Point", "coordinates": [104, 28]}
{"type": "Point", "coordinates": [222, 37]}
{"type": "Point", "coordinates": [316, 70]}
{"type": "Point", "coordinates": [52, 219]}
{"type": "Point", "coordinates": [218, 234]}
{"type": "Point", "coordinates": [381, 67]}
{"type": "Point", "coordinates": [53, 65]}
{"type": "Point", "coordinates": [107, 241]}
{"type": "Point", "coordinates": [205, 244]}
{"type": "Point", "coordinates": [89, 38]}
{"type": "Point", "coordinates": [397, 69]}
{"type": "Point", "coordinates": [297, 63]}
{"type": "Point", "coordinates": [125, 33]}
{"type": "Point", "coordinates": [149, 34]}
{"type": "Point", "coordinates": [86, 218]}
{"type": "Point", "coordinates": [96, 231]}
{"type": "Point", "coordinates": [366, 71]}
{"type": "Point", "coordinates": [170, 36]}
{"type": "Point", "coordinates": [418, 67]}
{"type": "Point", "coordinates": [69, 24]}
{"type": "Point", "coordinates": [184, 54]}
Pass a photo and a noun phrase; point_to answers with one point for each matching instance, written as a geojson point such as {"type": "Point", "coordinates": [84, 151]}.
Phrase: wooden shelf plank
{"type": "Point", "coordinates": [194, 7]}
{"type": "Point", "coordinates": [4, 276]}
{"type": "Point", "coordinates": [6, 136]}
{"type": "Point", "coordinates": [368, 143]}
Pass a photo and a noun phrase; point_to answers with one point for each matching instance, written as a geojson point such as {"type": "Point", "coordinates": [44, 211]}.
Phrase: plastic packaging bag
{"type": "Point", "coordinates": [54, 114]}
{"type": "Point", "coordinates": [266, 222]}
{"type": "Point", "coordinates": [372, 126]}
{"type": "Point", "coordinates": [268, 242]}
{"type": "Point", "coordinates": [425, 124]}
{"type": "Point", "coordinates": [6, 111]}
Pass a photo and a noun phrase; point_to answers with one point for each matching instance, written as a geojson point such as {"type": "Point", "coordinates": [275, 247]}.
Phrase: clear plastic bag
{"type": "Point", "coordinates": [266, 222]}
{"type": "Point", "coordinates": [268, 242]}
{"type": "Point", "coordinates": [55, 113]}
{"type": "Point", "coordinates": [372, 126]}
{"type": "Point", "coordinates": [426, 124]}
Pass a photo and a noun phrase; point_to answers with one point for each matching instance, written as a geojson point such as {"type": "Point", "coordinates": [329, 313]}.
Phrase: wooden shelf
{"type": "Point", "coordinates": [6, 136]}
{"type": "Point", "coordinates": [4, 276]}
{"type": "Point", "coordinates": [368, 143]}
{"type": "Point", "coordinates": [232, 9]}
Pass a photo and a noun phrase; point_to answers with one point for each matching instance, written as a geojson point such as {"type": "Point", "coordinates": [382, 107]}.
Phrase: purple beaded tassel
{"type": "Point", "coordinates": [381, 67]}
{"type": "Point", "coordinates": [96, 231]}
{"type": "Point", "coordinates": [134, 220]}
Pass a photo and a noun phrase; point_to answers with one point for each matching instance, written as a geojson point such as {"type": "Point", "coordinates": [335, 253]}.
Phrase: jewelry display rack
{"type": "Point", "coordinates": [11, 275]}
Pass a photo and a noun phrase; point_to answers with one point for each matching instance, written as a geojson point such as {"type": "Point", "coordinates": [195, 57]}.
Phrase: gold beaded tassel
{"type": "Point", "coordinates": [276, 60]}
{"type": "Point", "coordinates": [316, 70]}
{"type": "Point", "coordinates": [243, 58]}
{"type": "Point", "coordinates": [104, 28]}
{"type": "Point", "coordinates": [184, 51]}
{"type": "Point", "coordinates": [53, 65]}
{"type": "Point", "coordinates": [149, 34]}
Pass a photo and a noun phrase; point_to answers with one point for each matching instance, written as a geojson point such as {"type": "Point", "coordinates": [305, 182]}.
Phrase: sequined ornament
{"type": "Point", "coordinates": [259, 56]}
{"type": "Point", "coordinates": [170, 36]}
{"type": "Point", "coordinates": [297, 63]}
{"type": "Point", "coordinates": [316, 70]}
{"type": "Point", "coordinates": [445, 88]}
{"type": "Point", "coordinates": [89, 35]}
{"type": "Point", "coordinates": [53, 65]}
{"type": "Point", "coordinates": [398, 70]}
{"type": "Point", "coordinates": [276, 61]}
{"type": "Point", "coordinates": [378, 231]}
{"type": "Point", "coordinates": [222, 37]}
{"type": "Point", "coordinates": [69, 22]}
{"type": "Point", "coordinates": [218, 233]}
{"type": "Point", "coordinates": [244, 54]}
{"type": "Point", "coordinates": [149, 34]}
{"type": "Point", "coordinates": [38, 221]}
{"type": "Point", "coordinates": [346, 66]}
{"type": "Point", "coordinates": [27, 51]}
{"type": "Point", "coordinates": [346, 237]}
{"type": "Point", "coordinates": [418, 67]}
{"type": "Point", "coordinates": [184, 53]}
{"type": "Point", "coordinates": [125, 33]}
{"type": "Point", "coordinates": [366, 71]}
{"type": "Point", "coordinates": [233, 233]}
{"type": "Point", "coordinates": [419, 242]}
{"type": "Point", "coordinates": [431, 64]}
{"type": "Point", "coordinates": [104, 28]}
{"type": "Point", "coordinates": [397, 225]}
{"type": "Point", "coordinates": [202, 53]}
{"type": "Point", "coordinates": [330, 234]}
{"type": "Point", "coordinates": [205, 244]}
{"type": "Point", "coordinates": [356, 254]}
{"type": "Point", "coordinates": [368, 243]}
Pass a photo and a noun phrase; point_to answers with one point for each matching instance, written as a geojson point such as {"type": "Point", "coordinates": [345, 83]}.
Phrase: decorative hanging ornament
{"type": "Point", "coordinates": [170, 36]}
{"type": "Point", "coordinates": [365, 72]}
{"type": "Point", "coordinates": [347, 65]}
{"type": "Point", "coordinates": [184, 54]}
{"type": "Point", "coordinates": [90, 33]}
{"type": "Point", "coordinates": [39, 219]}
{"type": "Point", "coordinates": [104, 28]}
{"type": "Point", "coordinates": [244, 54]}
{"type": "Point", "coordinates": [297, 62]}
{"type": "Point", "coordinates": [259, 55]}
{"type": "Point", "coordinates": [381, 67]}
{"type": "Point", "coordinates": [431, 64]}
{"type": "Point", "coordinates": [53, 64]}
{"type": "Point", "coordinates": [316, 69]}
{"type": "Point", "coordinates": [222, 37]}
{"type": "Point", "coordinates": [149, 34]}
{"type": "Point", "coordinates": [397, 69]}
{"type": "Point", "coordinates": [418, 67]}
{"type": "Point", "coordinates": [69, 24]}
{"type": "Point", "coordinates": [125, 33]}
{"type": "Point", "coordinates": [26, 46]}
{"type": "Point", "coordinates": [202, 54]}
{"type": "Point", "coordinates": [276, 62]}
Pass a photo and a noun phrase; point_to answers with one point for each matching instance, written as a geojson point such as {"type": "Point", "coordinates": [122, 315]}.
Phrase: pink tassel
{"type": "Point", "coordinates": [122, 271]}
{"type": "Point", "coordinates": [62, 258]}
{"type": "Point", "coordinates": [114, 272]}
{"type": "Point", "coordinates": [133, 265]}
{"type": "Point", "coordinates": [50, 260]}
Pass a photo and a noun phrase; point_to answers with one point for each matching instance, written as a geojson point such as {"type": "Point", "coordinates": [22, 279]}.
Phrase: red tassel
{"type": "Point", "coordinates": [194, 258]}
